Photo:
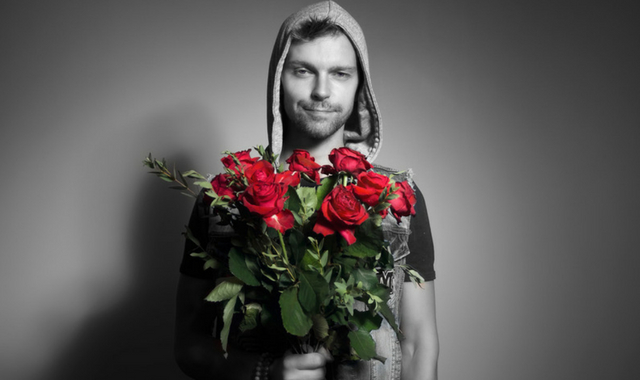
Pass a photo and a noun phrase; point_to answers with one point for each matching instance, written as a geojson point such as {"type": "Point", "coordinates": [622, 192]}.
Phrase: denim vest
{"type": "Point", "coordinates": [387, 344]}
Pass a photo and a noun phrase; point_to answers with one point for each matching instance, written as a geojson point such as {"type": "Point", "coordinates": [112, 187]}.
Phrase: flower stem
{"type": "Point", "coordinates": [285, 258]}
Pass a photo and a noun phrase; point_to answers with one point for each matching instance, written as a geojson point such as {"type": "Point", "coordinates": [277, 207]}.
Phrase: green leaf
{"type": "Point", "coordinates": [324, 258]}
{"type": "Point", "coordinates": [251, 315]}
{"type": "Point", "coordinates": [294, 320]}
{"type": "Point", "coordinates": [363, 344]}
{"type": "Point", "coordinates": [325, 187]}
{"type": "Point", "coordinates": [320, 327]}
{"type": "Point", "coordinates": [211, 263]}
{"type": "Point", "coordinates": [385, 311]}
{"type": "Point", "coordinates": [227, 317]}
{"type": "Point", "coordinates": [225, 290]}
{"type": "Point", "coordinates": [296, 248]}
{"type": "Point", "coordinates": [308, 200]}
{"type": "Point", "coordinates": [193, 174]}
{"type": "Point", "coordinates": [385, 260]}
{"type": "Point", "coordinates": [313, 290]}
{"type": "Point", "coordinates": [369, 240]}
{"type": "Point", "coordinates": [238, 266]}
{"type": "Point", "coordinates": [310, 260]}
{"type": "Point", "coordinates": [346, 263]}
{"type": "Point", "coordinates": [184, 181]}
{"type": "Point", "coordinates": [412, 273]}
{"type": "Point", "coordinates": [204, 184]}
{"type": "Point", "coordinates": [293, 202]}
{"type": "Point", "coordinates": [366, 320]}
{"type": "Point", "coordinates": [367, 276]}
{"type": "Point", "coordinates": [252, 265]}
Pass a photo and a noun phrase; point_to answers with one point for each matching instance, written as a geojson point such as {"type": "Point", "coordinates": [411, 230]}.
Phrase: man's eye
{"type": "Point", "coordinates": [301, 72]}
{"type": "Point", "coordinates": [342, 75]}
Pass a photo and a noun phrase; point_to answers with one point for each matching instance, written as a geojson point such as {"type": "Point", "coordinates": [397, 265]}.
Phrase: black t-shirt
{"type": "Point", "coordinates": [421, 255]}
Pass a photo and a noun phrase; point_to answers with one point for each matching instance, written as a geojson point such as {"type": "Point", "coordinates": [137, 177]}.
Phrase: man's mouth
{"type": "Point", "coordinates": [314, 110]}
{"type": "Point", "coordinates": [319, 108]}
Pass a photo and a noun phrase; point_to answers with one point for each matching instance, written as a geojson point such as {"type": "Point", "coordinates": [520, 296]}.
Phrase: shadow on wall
{"type": "Point", "coordinates": [134, 339]}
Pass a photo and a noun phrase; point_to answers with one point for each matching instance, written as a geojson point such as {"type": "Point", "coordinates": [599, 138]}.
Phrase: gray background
{"type": "Point", "coordinates": [521, 120]}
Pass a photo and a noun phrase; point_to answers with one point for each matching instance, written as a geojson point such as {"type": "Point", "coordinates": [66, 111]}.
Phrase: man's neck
{"type": "Point", "coordinates": [319, 149]}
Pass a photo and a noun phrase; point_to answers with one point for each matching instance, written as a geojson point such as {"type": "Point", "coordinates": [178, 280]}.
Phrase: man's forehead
{"type": "Point", "coordinates": [330, 48]}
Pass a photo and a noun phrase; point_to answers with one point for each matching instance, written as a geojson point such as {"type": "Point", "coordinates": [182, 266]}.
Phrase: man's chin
{"type": "Point", "coordinates": [319, 130]}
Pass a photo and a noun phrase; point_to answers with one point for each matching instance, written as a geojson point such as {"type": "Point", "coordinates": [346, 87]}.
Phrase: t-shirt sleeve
{"type": "Point", "coordinates": [199, 227]}
{"type": "Point", "coordinates": [421, 256]}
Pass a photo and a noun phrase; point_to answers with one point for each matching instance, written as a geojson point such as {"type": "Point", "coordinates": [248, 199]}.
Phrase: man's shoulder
{"type": "Point", "coordinates": [398, 175]}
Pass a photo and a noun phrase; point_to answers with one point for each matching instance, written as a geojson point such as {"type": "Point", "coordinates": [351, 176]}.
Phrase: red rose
{"type": "Point", "coordinates": [267, 200]}
{"type": "Point", "coordinates": [288, 178]}
{"type": "Point", "coordinates": [403, 205]}
{"type": "Point", "coordinates": [243, 158]}
{"type": "Point", "coordinates": [260, 171]}
{"type": "Point", "coordinates": [340, 212]}
{"type": "Point", "coordinates": [370, 186]}
{"type": "Point", "coordinates": [348, 160]}
{"type": "Point", "coordinates": [301, 161]}
{"type": "Point", "coordinates": [222, 186]}
{"type": "Point", "coordinates": [264, 198]}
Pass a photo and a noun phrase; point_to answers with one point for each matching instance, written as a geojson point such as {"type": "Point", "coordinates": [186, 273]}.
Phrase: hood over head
{"type": "Point", "coordinates": [363, 130]}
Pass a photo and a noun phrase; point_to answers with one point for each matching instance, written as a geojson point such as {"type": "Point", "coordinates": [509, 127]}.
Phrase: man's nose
{"type": "Point", "coordinates": [320, 89]}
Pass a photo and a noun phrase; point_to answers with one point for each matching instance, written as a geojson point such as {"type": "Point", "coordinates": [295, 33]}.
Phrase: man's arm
{"type": "Point", "coordinates": [420, 347]}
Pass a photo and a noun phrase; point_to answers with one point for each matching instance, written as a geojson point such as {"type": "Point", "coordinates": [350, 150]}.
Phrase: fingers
{"type": "Point", "coordinates": [306, 366]}
{"type": "Point", "coordinates": [326, 354]}
{"type": "Point", "coordinates": [309, 361]}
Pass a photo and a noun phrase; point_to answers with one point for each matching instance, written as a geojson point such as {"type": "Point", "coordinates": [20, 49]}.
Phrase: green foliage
{"type": "Point", "coordinates": [159, 168]}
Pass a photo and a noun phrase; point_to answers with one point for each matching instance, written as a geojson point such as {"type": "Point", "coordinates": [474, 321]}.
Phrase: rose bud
{"type": "Point", "coordinates": [349, 160]}
{"type": "Point", "coordinates": [301, 161]}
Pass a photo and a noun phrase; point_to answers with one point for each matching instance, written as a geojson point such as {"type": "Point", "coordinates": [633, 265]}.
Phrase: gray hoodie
{"type": "Point", "coordinates": [362, 133]}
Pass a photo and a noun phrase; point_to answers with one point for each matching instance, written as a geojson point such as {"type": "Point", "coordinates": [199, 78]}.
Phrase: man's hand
{"type": "Point", "coordinates": [309, 366]}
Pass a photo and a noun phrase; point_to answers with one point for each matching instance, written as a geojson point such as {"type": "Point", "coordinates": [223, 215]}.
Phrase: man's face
{"type": "Point", "coordinates": [319, 84]}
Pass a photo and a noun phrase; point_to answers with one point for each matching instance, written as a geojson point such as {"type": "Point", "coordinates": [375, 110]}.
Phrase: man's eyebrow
{"type": "Point", "coordinates": [344, 68]}
{"type": "Point", "coordinates": [332, 68]}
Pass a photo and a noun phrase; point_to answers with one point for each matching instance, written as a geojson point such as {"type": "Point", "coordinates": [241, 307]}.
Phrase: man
{"type": "Point", "coordinates": [320, 98]}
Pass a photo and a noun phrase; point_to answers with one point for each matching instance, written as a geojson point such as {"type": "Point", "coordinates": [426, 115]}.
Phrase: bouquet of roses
{"type": "Point", "coordinates": [308, 240]}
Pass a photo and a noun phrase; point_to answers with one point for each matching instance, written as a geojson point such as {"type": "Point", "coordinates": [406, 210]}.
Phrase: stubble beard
{"type": "Point", "coordinates": [321, 127]}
